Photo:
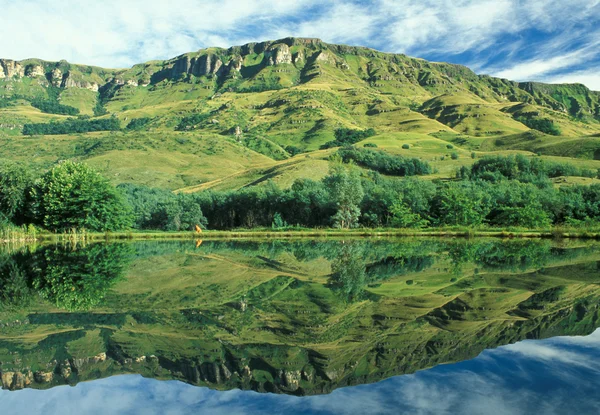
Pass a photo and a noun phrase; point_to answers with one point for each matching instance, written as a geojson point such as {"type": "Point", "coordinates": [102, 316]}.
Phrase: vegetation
{"type": "Point", "coordinates": [53, 107]}
{"type": "Point", "coordinates": [544, 125]}
{"type": "Point", "coordinates": [347, 136]}
{"type": "Point", "coordinates": [72, 126]}
{"type": "Point", "coordinates": [384, 162]}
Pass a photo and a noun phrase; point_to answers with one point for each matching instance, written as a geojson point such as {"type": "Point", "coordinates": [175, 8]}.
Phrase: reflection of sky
{"type": "Point", "coordinates": [554, 376]}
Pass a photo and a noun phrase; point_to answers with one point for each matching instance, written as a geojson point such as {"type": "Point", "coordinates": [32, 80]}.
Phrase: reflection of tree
{"type": "Point", "coordinates": [348, 271]}
{"type": "Point", "coordinates": [14, 287]}
{"type": "Point", "coordinates": [73, 279]}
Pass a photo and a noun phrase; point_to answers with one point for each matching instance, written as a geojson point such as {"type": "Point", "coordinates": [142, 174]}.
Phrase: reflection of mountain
{"type": "Point", "coordinates": [305, 317]}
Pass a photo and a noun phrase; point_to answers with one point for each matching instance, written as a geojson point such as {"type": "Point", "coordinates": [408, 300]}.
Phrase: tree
{"type": "Point", "coordinates": [74, 196]}
{"type": "Point", "coordinates": [346, 191]}
{"type": "Point", "coordinates": [15, 182]}
{"type": "Point", "coordinates": [404, 217]}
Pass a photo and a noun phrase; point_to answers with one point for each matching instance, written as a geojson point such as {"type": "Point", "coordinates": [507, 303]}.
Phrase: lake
{"type": "Point", "coordinates": [301, 326]}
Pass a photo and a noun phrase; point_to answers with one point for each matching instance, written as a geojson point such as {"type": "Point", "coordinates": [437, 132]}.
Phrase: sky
{"type": "Point", "coordinates": [552, 376]}
{"type": "Point", "coordinates": [539, 40]}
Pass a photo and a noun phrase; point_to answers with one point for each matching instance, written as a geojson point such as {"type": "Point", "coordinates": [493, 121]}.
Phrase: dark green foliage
{"type": "Point", "coordinates": [191, 122]}
{"type": "Point", "coordinates": [384, 162]}
{"type": "Point", "coordinates": [454, 155]}
{"type": "Point", "coordinates": [53, 107]}
{"type": "Point", "coordinates": [293, 150]}
{"type": "Point", "coordinates": [544, 125]}
{"type": "Point", "coordinates": [162, 210]}
{"type": "Point", "coordinates": [525, 169]}
{"type": "Point", "coordinates": [406, 146]}
{"type": "Point", "coordinates": [347, 136]}
{"type": "Point", "coordinates": [138, 123]}
{"type": "Point", "coordinates": [15, 182]}
{"type": "Point", "coordinates": [72, 126]}
{"type": "Point", "coordinates": [74, 196]}
{"type": "Point", "coordinates": [449, 146]}
{"type": "Point", "coordinates": [370, 145]}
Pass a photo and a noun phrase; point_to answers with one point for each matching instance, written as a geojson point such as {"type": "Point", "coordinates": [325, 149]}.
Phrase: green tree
{"type": "Point", "coordinates": [73, 195]}
{"type": "Point", "coordinates": [15, 182]}
{"type": "Point", "coordinates": [346, 191]}
{"type": "Point", "coordinates": [404, 217]}
{"type": "Point", "coordinates": [531, 215]}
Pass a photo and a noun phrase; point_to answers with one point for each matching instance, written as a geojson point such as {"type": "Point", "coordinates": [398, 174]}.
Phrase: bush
{"type": "Point", "coordinates": [138, 123]}
{"type": "Point", "coordinates": [473, 155]}
{"type": "Point", "coordinates": [373, 145]}
{"type": "Point", "coordinates": [53, 107]}
{"type": "Point", "coordinates": [405, 146]}
{"type": "Point", "coordinates": [544, 125]}
{"type": "Point", "coordinates": [72, 125]}
{"type": "Point", "coordinates": [347, 136]}
{"type": "Point", "coordinates": [454, 155]}
{"type": "Point", "coordinates": [449, 146]}
{"type": "Point", "coordinates": [384, 162]}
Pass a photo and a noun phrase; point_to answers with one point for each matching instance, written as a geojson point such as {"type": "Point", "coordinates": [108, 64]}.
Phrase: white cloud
{"type": "Point", "coordinates": [521, 39]}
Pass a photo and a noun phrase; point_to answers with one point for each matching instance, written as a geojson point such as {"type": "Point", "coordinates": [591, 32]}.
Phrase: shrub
{"type": "Point", "coordinates": [454, 155]}
{"type": "Point", "coordinates": [384, 162]}
{"type": "Point", "coordinates": [405, 146]}
{"type": "Point", "coordinates": [72, 125]}
{"type": "Point", "coordinates": [347, 136]}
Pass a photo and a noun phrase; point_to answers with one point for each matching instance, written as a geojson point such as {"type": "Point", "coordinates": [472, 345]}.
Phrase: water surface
{"type": "Point", "coordinates": [355, 326]}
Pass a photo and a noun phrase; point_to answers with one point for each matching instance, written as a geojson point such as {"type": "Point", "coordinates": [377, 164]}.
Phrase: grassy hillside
{"type": "Point", "coordinates": [236, 113]}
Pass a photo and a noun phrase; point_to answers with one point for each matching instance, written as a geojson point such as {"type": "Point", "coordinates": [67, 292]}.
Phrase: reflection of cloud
{"type": "Point", "coordinates": [553, 376]}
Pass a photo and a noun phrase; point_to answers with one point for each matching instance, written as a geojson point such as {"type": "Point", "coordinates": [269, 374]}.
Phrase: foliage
{"type": "Point", "coordinates": [404, 217]}
{"type": "Point", "coordinates": [138, 123]}
{"type": "Point", "coordinates": [193, 121]}
{"type": "Point", "coordinates": [524, 169]}
{"type": "Point", "coordinates": [15, 182]}
{"type": "Point", "coordinates": [74, 196]}
{"type": "Point", "coordinates": [544, 125]}
{"type": "Point", "coordinates": [384, 162]}
{"type": "Point", "coordinates": [53, 107]}
{"type": "Point", "coordinates": [346, 191]}
{"type": "Point", "coordinates": [347, 136]}
{"type": "Point", "coordinates": [72, 126]}
{"type": "Point", "coordinates": [162, 210]}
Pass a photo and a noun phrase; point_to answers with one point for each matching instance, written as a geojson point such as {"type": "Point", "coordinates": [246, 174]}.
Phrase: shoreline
{"type": "Point", "coordinates": [299, 234]}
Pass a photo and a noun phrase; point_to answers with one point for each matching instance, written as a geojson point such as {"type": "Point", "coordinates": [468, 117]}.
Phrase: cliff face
{"type": "Point", "coordinates": [306, 59]}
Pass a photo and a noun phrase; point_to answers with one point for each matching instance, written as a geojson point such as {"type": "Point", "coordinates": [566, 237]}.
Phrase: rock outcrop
{"type": "Point", "coordinates": [33, 71]}
{"type": "Point", "coordinates": [11, 69]}
{"type": "Point", "coordinates": [278, 54]}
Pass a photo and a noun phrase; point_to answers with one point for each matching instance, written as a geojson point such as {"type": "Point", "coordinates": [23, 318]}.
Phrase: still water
{"type": "Point", "coordinates": [354, 326]}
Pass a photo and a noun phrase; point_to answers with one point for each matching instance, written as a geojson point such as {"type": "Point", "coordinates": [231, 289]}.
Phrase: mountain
{"type": "Point", "coordinates": [224, 117]}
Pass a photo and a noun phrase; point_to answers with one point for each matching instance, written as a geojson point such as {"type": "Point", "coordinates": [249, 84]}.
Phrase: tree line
{"type": "Point", "coordinates": [82, 124]}
{"type": "Point", "coordinates": [494, 191]}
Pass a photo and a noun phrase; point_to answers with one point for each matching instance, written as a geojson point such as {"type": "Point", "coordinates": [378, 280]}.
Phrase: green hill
{"type": "Point", "coordinates": [217, 113]}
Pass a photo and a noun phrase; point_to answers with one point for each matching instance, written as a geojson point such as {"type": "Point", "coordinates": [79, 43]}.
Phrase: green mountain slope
{"type": "Point", "coordinates": [274, 99]}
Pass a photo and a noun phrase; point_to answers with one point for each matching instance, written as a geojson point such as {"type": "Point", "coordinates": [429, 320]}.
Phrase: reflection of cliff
{"type": "Point", "coordinates": [299, 333]}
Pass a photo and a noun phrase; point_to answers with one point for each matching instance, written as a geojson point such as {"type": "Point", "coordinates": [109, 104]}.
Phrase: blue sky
{"type": "Point", "coordinates": [545, 40]}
